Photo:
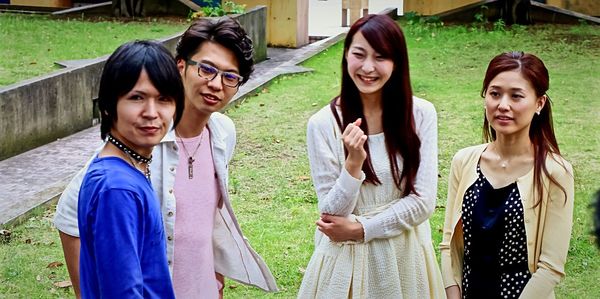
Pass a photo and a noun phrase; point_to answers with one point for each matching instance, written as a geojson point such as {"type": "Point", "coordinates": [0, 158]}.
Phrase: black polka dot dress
{"type": "Point", "coordinates": [495, 258]}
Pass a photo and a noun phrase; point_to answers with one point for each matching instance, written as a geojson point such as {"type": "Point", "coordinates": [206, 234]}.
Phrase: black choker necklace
{"type": "Point", "coordinates": [120, 145]}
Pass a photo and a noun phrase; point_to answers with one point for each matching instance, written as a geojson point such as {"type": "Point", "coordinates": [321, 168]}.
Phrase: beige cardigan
{"type": "Point", "coordinates": [547, 226]}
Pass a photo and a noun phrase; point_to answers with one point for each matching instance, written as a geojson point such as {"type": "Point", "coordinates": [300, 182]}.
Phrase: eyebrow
{"type": "Point", "coordinates": [213, 65]}
{"type": "Point", "coordinates": [514, 88]}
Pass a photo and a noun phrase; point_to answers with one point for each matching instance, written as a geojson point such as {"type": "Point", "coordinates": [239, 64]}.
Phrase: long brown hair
{"type": "Point", "coordinates": [386, 37]}
{"type": "Point", "coordinates": [541, 131]}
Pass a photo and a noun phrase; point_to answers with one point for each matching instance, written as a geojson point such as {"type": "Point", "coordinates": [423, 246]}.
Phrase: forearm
{"type": "Point", "coordinates": [70, 247]}
{"type": "Point", "coordinates": [453, 292]}
{"type": "Point", "coordinates": [405, 214]}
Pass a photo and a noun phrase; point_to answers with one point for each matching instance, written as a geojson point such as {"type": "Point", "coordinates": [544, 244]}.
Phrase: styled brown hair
{"type": "Point", "coordinates": [225, 31]}
{"type": "Point", "coordinates": [386, 37]}
{"type": "Point", "coordinates": [541, 131]}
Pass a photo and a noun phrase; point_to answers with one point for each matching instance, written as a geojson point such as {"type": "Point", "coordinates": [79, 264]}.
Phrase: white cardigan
{"type": "Point", "coordinates": [337, 190]}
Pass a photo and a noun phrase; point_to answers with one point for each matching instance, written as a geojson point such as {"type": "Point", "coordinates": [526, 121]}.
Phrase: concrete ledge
{"type": "Point", "coordinates": [34, 179]}
{"type": "Point", "coordinates": [37, 111]}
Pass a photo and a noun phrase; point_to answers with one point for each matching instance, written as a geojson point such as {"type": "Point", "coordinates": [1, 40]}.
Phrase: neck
{"type": "Point", "coordinates": [372, 103]}
{"type": "Point", "coordinates": [512, 146]}
{"type": "Point", "coordinates": [191, 124]}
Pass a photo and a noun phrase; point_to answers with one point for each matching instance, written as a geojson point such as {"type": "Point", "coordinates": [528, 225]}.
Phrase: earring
{"type": "Point", "coordinates": [538, 112]}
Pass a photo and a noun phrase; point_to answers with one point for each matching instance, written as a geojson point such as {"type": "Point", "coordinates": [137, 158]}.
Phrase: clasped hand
{"type": "Point", "coordinates": [340, 228]}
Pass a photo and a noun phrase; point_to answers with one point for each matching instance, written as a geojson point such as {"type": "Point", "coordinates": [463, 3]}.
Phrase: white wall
{"type": "Point", "coordinates": [376, 6]}
{"type": "Point", "coordinates": [324, 16]}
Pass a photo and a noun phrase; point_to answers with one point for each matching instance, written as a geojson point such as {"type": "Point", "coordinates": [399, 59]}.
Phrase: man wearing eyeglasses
{"type": "Point", "coordinates": [189, 171]}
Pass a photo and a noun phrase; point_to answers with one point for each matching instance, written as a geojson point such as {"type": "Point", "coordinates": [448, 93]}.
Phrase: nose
{"type": "Point", "coordinates": [217, 82]}
{"type": "Point", "coordinates": [368, 66]}
{"type": "Point", "coordinates": [504, 103]}
{"type": "Point", "coordinates": [150, 110]}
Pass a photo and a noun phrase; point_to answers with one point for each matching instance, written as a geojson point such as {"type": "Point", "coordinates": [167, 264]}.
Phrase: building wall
{"type": "Point", "coordinates": [428, 7]}
{"type": "Point", "coordinates": [287, 21]}
{"type": "Point", "coordinates": [588, 7]}
{"type": "Point", "coordinates": [43, 3]}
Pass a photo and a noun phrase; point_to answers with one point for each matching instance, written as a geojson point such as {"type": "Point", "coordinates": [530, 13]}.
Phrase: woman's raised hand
{"type": "Point", "coordinates": [354, 139]}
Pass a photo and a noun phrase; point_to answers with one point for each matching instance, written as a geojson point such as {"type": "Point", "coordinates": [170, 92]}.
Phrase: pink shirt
{"type": "Point", "coordinates": [193, 263]}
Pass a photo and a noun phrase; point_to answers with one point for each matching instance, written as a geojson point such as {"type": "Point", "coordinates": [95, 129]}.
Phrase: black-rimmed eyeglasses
{"type": "Point", "coordinates": [210, 72]}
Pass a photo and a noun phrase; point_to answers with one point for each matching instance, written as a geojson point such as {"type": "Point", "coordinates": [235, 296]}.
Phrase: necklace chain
{"type": "Point", "coordinates": [190, 158]}
{"type": "Point", "coordinates": [132, 155]}
{"type": "Point", "coordinates": [120, 145]}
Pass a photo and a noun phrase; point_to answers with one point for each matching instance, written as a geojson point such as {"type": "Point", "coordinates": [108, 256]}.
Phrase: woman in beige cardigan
{"type": "Point", "coordinates": [510, 201]}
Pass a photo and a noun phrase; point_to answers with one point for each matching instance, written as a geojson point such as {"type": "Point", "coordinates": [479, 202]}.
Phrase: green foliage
{"type": "Point", "coordinates": [414, 18]}
{"type": "Point", "coordinates": [228, 8]}
{"type": "Point", "coordinates": [499, 25]}
{"type": "Point", "coordinates": [481, 16]}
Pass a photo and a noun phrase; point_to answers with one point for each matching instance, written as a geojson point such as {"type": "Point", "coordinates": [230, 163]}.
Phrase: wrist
{"type": "Point", "coordinates": [358, 231]}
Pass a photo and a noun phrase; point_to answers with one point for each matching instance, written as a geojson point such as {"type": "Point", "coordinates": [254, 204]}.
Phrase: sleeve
{"type": "Point", "coordinates": [449, 220]}
{"type": "Point", "coordinates": [118, 238]}
{"type": "Point", "coordinates": [337, 190]}
{"type": "Point", "coordinates": [231, 139]}
{"type": "Point", "coordinates": [413, 209]}
{"type": "Point", "coordinates": [555, 241]}
{"type": "Point", "coordinates": [65, 219]}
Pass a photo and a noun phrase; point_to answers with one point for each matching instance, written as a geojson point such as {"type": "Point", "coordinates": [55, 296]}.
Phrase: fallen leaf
{"type": "Point", "coordinates": [301, 270]}
{"type": "Point", "coordinates": [303, 178]}
{"type": "Point", "coordinates": [38, 278]}
{"type": "Point", "coordinates": [63, 284]}
{"type": "Point", "coordinates": [54, 265]}
{"type": "Point", "coordinates": [233, 286]}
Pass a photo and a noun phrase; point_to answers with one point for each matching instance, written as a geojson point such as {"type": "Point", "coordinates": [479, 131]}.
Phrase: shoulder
{"type": "Point", "coordinates": [111, 173]}
{"type": "Point", "coordinates": [222, 122]}
{"type": "Point", "coordinates": [422, 105]}
{"type": "Point", "coordinates": [470, 153]}
{"type": "Point", "coordinates": [423, 111]}
{"type": "Point", "coordinates": [558, 166]}
{"type": "Point", "coordinates": [321, 120]}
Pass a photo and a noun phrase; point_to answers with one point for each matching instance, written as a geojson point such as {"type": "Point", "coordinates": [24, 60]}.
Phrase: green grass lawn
{"type": "Point", "coordinates": [270, 181]}
{"type": "Point", "coordinates": [31, 44]}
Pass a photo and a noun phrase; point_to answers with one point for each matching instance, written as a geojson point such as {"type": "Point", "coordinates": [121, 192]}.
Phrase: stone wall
{"type": "Point", "coordinates": [37, 111]}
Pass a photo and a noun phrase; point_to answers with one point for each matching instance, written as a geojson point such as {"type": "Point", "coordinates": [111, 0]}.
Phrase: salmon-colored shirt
{"type": "Point", "coordinates": [197, 197]}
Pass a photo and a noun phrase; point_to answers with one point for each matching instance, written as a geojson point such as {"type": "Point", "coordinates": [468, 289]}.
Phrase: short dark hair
{"type": "Point", "coordinates": [122, 71]}
{"type": "Point", "coordinates": [224, 31]}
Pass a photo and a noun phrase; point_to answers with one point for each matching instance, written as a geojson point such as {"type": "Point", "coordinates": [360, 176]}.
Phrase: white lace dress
{"type": "Point", "coordinates": [396, 258]}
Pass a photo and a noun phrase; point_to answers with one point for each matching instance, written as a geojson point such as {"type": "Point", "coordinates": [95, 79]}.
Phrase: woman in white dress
{"type": "Point", "coordinates": [373, 159]}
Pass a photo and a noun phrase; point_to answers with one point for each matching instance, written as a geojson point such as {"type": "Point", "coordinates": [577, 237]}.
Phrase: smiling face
{"type": "Point", "coordinates": [143, 116]}
{"type": "Point", "coordinates": [367, 68]}
{"type": "Point", "coordinates": [511, 103]}
{"type": "Point", "coordinates": [203, 96]}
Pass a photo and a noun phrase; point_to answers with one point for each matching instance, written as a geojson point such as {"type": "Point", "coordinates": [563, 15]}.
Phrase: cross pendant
{"type": "Point", "coordinates": [190, 167]}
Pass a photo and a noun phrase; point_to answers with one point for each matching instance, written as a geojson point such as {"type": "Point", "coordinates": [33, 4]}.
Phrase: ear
{"type": "Point", "coordinates": [541, 101]}
{"type": "Point", "coordinates": [181, 66]}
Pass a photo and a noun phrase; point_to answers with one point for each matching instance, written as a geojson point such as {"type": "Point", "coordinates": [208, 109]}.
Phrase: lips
{"type": "Point", "coordinates": [149, 129]}
{"type": "Point", "coordinates": [210, 99]}
{"type": "Point", "coordinates": [503, 117]}
{"type": "Point", "coordinates": [367, 79]}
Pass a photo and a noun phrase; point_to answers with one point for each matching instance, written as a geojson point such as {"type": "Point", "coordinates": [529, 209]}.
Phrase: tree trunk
{"type": "Point", "coordinates": [128, 8]}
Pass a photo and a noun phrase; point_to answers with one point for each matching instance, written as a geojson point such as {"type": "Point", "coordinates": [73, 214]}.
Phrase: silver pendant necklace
{"type": "Point", "coordinates": [190, 159]}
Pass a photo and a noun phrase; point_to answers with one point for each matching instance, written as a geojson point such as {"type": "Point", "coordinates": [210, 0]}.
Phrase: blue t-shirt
{"type": "Point", "coordinates": [123, 248]}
